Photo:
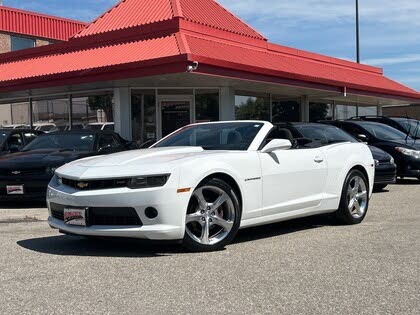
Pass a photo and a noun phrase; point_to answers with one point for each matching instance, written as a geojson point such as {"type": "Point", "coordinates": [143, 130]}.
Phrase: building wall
{"type": "Point", "coordinates": [412, 111]}
{"type": "Point", "coordinates": [5, 45]}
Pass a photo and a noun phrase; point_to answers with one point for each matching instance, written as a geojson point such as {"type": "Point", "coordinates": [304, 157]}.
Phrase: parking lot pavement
{"type": "Point", "coordinates": [304, 266]}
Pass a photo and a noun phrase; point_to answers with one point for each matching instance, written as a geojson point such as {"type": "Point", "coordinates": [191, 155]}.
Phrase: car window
{"type": "Point", "coordinates": [353, 129]}
{"type": "Point", "coordinates": [3, 136]}
{"type": "Point", "coordinates": [410, 125]}
{"type": "Point", "coordinates": [29, 136]}
{"type": "Point", "coordinates": [326, 134]}
{"type": "Point", "coordinates": [62, 141]}
{"type": "Point", "coordinates": [107, 141]}
{"type": "Point", "coordinates": [383, 132]}
{"type": "Point", "coordinates": [109, 127]}
{"type": "Point", "coordinates": [15, 140]}
{"type": "Point", "coordinates": [220, 136]}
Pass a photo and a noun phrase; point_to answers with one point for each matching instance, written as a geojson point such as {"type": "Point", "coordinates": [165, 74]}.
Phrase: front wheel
{"type": "Point", "coordinates": [354, 201]}
{"type": "Point", "coordinates": [213, 217]}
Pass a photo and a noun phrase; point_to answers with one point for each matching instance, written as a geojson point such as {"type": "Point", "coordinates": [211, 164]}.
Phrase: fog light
{"type": "Point", "coordinates": [151, 212]}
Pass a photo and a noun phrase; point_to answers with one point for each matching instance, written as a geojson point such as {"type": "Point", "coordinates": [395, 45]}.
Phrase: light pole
{"type": "Point", "coordinates": [357, 32]}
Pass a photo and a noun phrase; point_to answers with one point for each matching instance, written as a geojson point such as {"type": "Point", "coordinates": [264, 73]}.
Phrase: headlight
{"type": "Point", "coordinates": [376, 162]}
{"type": "Point", "coordinates": [409, 152]}
{"type": "Point", "coordinates": [148, 181]}
{"type": "Point", "coordinates": [50, 170]}
{"type": "Point", "coordinates": [392, 161]}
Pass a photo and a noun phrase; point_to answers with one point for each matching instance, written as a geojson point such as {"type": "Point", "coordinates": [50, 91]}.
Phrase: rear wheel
{"type": "Point", "coordinates": [354, 201]}
{"type": "Point", "coordinates": [213, 217]}
{"type": "Point", "coordinates": [379, 187]}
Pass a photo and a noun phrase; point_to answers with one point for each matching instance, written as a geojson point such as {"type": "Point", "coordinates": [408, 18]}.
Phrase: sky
{"type": "Point", "coordinates": [390, 29]}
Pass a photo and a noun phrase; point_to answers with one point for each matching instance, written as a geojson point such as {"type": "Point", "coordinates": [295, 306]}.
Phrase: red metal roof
{"type": "Point", "coordinates": [170, 34]}
{"type": "Point", "coordinates": [37, 25]}
{"type": "Point", "coordinates": [93, 58]}
{"type": "Point", "coordinates": [292, 66]}
{"type": "Point", "coordinates": [133, 13]}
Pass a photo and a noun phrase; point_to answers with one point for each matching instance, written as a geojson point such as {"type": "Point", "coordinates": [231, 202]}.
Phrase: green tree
{"type": "Point", "coordinates": [102, 102]}
{"type": "Point", "coordinates": [253, 109]}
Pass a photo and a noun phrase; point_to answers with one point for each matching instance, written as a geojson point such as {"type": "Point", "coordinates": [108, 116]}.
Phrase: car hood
{"type": "Point", "coordinates": [39, 158]}
{"type": "Point", "coordinates": [379, 154]}
{"type": "Point", "coordinates": [129, 163]}
{"type": "Point", "coordinates": [410, 144]}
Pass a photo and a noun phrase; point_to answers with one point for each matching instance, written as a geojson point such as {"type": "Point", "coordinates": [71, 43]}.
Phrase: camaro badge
{"type": "Point", "coordinates": [16, 172]}
{"type": "Point", "coordinates": [82, 185]}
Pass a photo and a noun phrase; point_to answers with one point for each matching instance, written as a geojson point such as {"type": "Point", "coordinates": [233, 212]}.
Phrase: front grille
{"type": "Point", "coordinates": [95, 184]}
{"type": "Point", "coordinates": [20, 172]}
{"type": "Point", "coordinates": [103, 215]}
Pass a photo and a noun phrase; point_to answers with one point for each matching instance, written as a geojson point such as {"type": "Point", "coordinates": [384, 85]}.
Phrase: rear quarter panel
{"type": "Point", "coordinates": [341, 158]}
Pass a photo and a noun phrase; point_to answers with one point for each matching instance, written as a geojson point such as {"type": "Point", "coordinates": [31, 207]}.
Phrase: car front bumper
{"type": "Point", "coordinates": [35, 187]}
{"type": "Point", "coordinates": [409, 167]}
{"type": "Point", "coordinates": [168, 225]}
{"type": "Point", "coordinates": [385, 174]}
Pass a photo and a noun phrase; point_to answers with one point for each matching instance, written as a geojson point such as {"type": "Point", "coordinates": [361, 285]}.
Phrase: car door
{"type": "Point", "coordinates": [293, 179]}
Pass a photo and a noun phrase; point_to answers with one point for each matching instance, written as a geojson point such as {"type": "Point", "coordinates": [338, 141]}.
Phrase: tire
{"type": "Point", "coordinates": [379, 187]}
{"type": "Point", "coordinates": [354, 201]}
{"type": "Point", "coordinates": [213, 217]}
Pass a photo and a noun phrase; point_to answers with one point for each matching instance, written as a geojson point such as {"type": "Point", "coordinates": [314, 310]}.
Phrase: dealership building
{"type": "Point", "coordinates": [152, 66]}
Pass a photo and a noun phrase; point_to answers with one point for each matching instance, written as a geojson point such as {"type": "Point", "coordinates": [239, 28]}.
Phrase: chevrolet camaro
{"type": "Point", "coordinates": [205, 181]}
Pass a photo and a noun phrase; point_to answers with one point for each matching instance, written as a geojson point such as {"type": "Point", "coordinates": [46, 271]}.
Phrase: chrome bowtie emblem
{"type": "Point", "coordinates": [82, 185]}
{"type": "Point", "coordinates": [16, 172]}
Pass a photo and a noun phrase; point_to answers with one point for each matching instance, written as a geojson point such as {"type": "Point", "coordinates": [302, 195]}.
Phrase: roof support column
{"type": "Point", "coordinates": [122, 112]}
{"type": "Point", "coordinates": [31, 113]}
{"type": "Point", "coordinates": [227, 103]}
{"type": "Point", "coordinates": [304, 108]}
{"type": "Point", "coordinates": [380, 110]}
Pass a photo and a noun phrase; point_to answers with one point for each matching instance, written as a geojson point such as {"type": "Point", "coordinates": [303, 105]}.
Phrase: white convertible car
{"type": "Point", "coordinates": [203, 182]}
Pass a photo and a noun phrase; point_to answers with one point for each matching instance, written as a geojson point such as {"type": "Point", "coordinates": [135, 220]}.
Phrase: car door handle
{"type": "Point", "coordinates": [318, 159]}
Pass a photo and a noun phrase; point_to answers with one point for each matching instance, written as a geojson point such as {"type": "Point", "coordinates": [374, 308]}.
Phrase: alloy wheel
{"type": "Point", "coordinates": [210, 216]}
{"type": "Point", "coordinates": [357, 197]}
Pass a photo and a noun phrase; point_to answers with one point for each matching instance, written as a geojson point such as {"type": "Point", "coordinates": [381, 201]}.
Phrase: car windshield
{"type": "Point", "coordinates": [64, 142]}
{"type": "Point", "coordinates": [3, 136]}
{"type": "Point", "coordinates": [410, 125]}
{"type": "Point", "coordinates": [383, 132]}
{"type": "Point", "coordinates": [236, 136]}
{"type": "Point", "coordinates": [327, 134]}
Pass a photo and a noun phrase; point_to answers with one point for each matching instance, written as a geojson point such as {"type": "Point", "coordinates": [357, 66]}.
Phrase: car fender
{"type": "Point", "coordinates": [244, 168]}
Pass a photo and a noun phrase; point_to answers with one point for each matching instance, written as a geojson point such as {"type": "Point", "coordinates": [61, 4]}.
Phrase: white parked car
{"type": "Point", "coordinates": [205, 181]}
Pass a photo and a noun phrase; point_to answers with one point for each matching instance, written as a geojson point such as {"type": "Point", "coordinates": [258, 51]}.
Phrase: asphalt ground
{"type": "Point", "coordinates": [305, 266]}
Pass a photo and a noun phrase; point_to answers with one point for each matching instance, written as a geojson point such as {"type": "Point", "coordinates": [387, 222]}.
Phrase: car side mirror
{"type": "Point", "coordinates": [362, 137]}
{"type": "Point", "coordinates": [277, 144]}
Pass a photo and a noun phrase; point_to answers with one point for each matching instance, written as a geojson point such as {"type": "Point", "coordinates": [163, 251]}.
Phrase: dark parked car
{"type": "Point", "coordinates": [385, 170]}
{"type": "Point", "coordinates": [14, 140]}
{"type": "Point", "coordinates": [406, 125]}
{"type": "Point", "coordinates": [404, 149]}
{"type": "Point", "coordinates": [26, 174]}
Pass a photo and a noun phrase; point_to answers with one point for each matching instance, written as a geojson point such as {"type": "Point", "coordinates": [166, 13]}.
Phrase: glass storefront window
{"type": "Point", "coordinates": [345, 111]}
{"type": "Point", "coordinates": [285, 110]}
{"type": "Point", "coordinates": [93, 111]}
{"type": "Point", "coordinates": [320, 111]}
{"type": "Point", "coordinates": [15, 115]}
{"type": "Point", "coordinates": [51, 114]}
{"type": "Point", "coordinates": [143, 115]}
{"type": "Point", "coordinates": [368, 110]}
{"type": "Point", "coordinates": [206, 105]}
{"type": "Point", "coordinates": [252, 107]}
